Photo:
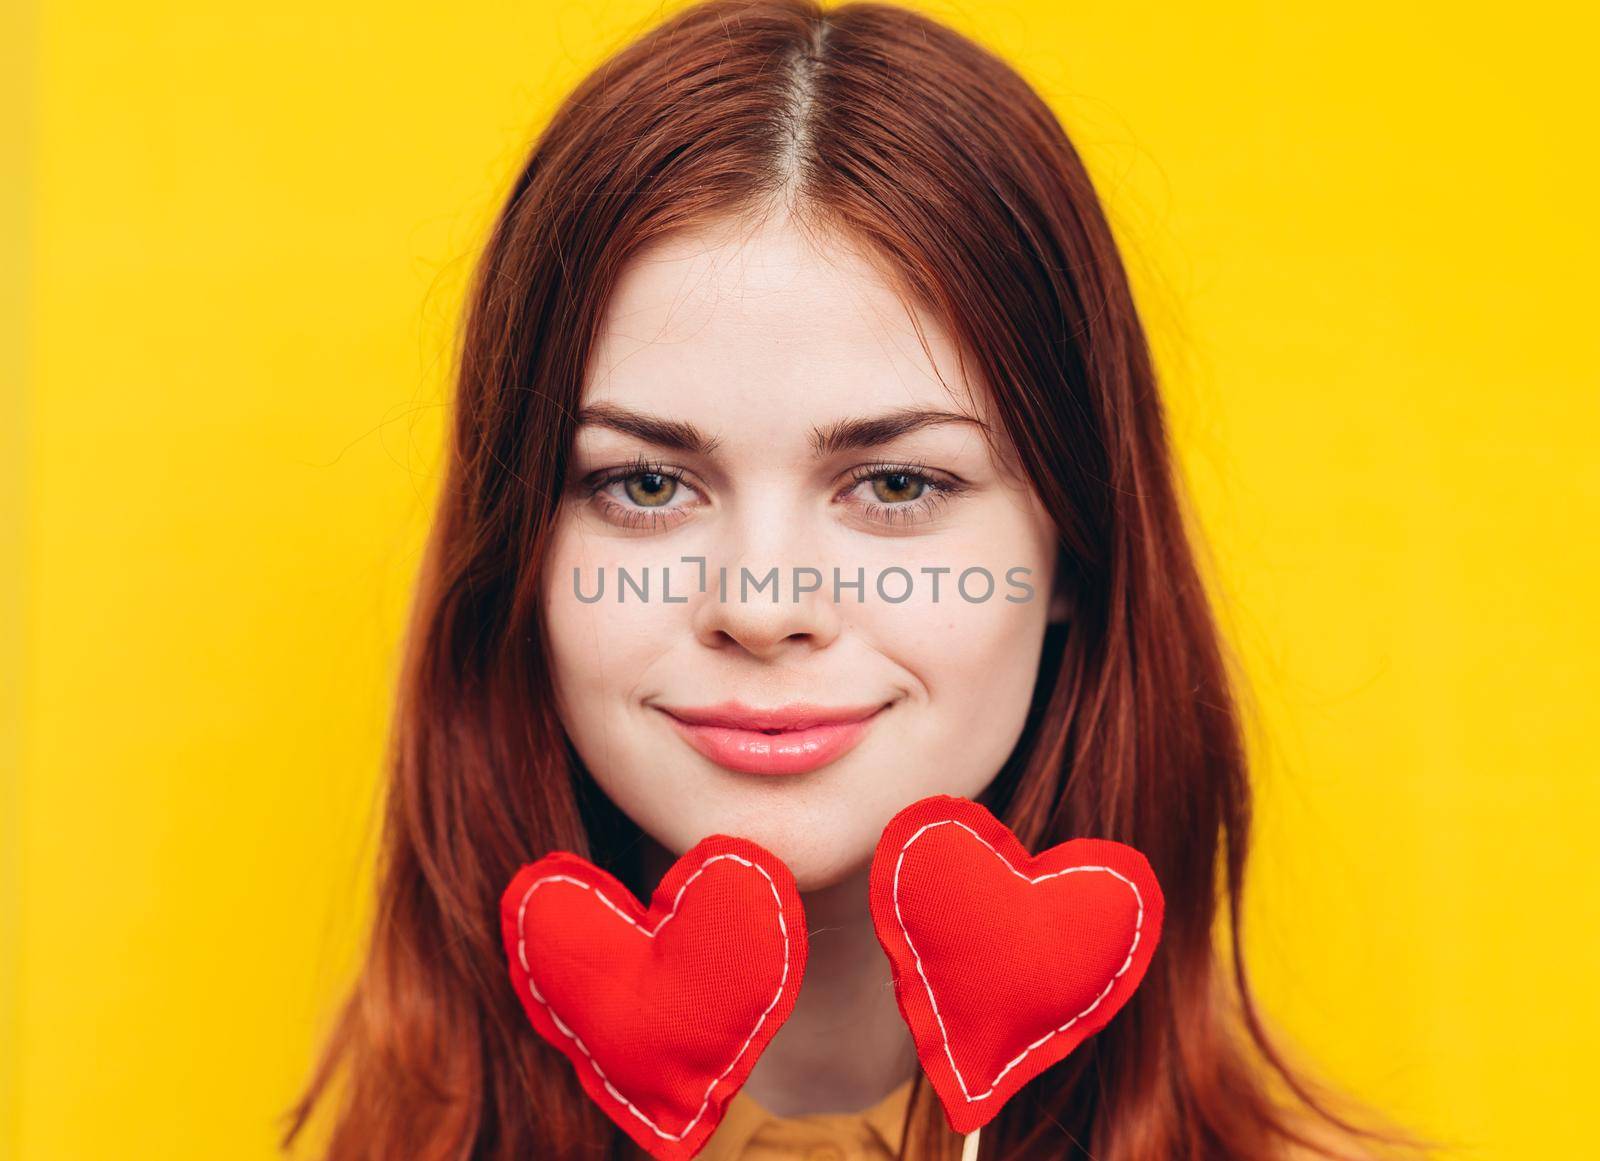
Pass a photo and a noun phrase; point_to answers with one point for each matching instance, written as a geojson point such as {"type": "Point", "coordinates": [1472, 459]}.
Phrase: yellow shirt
{"type": "Point", "coordinates": [749, 1133]}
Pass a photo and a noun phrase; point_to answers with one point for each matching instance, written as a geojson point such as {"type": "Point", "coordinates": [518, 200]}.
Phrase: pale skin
{"type": "Point", "coordinates": [760, 338]}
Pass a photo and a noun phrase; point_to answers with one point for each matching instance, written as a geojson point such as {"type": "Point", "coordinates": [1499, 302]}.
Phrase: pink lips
{"type": "Point", "coordinates": [790, 739]}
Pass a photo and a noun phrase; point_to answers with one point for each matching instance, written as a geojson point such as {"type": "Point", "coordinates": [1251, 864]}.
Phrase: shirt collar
{"type": "Point", "coordinates": [887, 1117]}
{"type": "Point", "coordinates": [744, 1118]}
{"type": "Point", "coordinates": [739, 1123]}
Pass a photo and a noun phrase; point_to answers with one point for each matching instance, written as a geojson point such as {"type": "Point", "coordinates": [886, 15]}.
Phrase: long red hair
{"type": "Point", "coordinates": [939, 162]}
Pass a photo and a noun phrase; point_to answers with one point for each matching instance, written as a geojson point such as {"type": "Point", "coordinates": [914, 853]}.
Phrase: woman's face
{"type": "Point", "coordinates": [760, 405]}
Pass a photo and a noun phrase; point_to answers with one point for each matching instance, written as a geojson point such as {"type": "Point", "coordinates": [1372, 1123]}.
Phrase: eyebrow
{"type": "Point", "coordinates": [650, 428]}
{"type": "Point", "coordinates": [845, 435]}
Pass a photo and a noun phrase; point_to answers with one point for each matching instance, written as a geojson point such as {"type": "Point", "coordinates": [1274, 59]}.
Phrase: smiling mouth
{"type": "Point", "coordinates": [792, 739]}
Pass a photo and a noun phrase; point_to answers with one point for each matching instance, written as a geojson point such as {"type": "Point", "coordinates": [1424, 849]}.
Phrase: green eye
{"type": "Point", "coordinates": [650, 489]}
{"type": "Point", "coordinates": [897, 487]}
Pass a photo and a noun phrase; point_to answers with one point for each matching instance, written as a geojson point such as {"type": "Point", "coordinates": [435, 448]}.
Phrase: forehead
{"type": "Point", "coordinates": [754, 332]}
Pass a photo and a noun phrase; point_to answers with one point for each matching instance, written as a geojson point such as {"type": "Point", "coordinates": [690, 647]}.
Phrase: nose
{"type": "Point", "coordinates": [767, 598]}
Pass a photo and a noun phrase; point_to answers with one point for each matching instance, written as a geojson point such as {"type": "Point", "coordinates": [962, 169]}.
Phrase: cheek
{"type": "Point", "coordinates": [982, 688]}
{"type": "Point", "coordinates": [599, 653]}
{"type": "Point", "coordinates": [975, 661]}
{"type": "Point", "coordinates": [598, 647]}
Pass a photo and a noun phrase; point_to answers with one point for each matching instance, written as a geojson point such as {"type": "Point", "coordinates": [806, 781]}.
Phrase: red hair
{"type": "Point", "coordinates": [938, 161]}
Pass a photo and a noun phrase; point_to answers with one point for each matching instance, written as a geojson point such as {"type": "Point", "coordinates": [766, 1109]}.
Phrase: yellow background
{"type": "Point", "coordinates": [235, 241]}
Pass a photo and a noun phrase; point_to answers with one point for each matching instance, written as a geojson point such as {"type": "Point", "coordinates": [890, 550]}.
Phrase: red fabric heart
{"type": "Point", "coordinates": [663, 1013]}
{"type": "Point", "coordinates": [1003, 964]}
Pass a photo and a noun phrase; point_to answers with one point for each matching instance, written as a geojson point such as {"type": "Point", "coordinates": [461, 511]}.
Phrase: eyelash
{"type": "Point", "coordinates": [937, 492]}
{"type": "Point", "coordinates": [633, 517]}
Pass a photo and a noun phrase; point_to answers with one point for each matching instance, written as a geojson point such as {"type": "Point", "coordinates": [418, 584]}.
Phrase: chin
{"type": "Point", "coordinates": [820, 847]}
{"type": "Point", "coordinates": [819, 878]}
{"type": "Point", "coordinates": [818, 862]}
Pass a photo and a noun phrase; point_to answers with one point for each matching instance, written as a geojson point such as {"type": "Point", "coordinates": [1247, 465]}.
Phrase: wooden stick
{"type": "Point", "coordinates": [969, 1147]}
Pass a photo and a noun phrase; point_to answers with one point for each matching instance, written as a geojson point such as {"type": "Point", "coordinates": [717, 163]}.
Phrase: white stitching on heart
{"type": "Point", "coordinates": [1137, 928]}
{"type": "Point", "coordinates": [522, 956]}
